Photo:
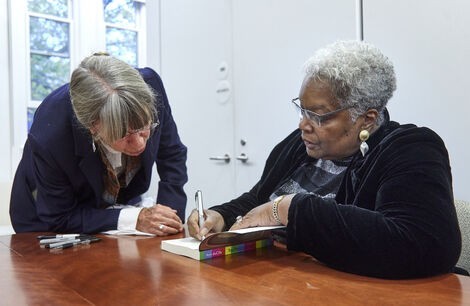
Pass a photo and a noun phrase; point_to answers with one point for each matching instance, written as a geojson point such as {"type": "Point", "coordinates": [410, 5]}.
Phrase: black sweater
{"type": "Point", "coordinates": [393, 215]}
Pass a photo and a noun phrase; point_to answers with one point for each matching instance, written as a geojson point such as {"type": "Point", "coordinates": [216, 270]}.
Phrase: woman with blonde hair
{"type": "Point", "coordinates": [90, 153]}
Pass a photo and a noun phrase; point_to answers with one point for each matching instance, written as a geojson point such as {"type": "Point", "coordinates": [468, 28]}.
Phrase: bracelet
{"type": "Point", "coordinates": [275, 208]}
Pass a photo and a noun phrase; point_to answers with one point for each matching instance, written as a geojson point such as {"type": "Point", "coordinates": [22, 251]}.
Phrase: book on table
{"type": "Point", "coordinates": [221, 244]}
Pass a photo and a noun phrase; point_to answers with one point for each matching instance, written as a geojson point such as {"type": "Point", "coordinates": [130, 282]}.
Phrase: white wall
{"type": "Point", "coordinates": [428, 42]}
{"type": "Point", "coordinates": [5, 135]}
{"type": "Point", "coordinates": [5, 188]}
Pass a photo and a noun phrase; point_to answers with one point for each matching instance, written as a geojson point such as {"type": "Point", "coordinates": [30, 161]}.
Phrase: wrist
{"type": "Point", "coordinates": [129, 218]}
{"type": "Point", "coordinates": [275, 209]}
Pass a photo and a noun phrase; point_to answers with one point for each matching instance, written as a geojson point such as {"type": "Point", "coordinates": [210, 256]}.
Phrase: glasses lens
{"type": "Point", "coordinates": [298, 109]}
{"type": "Point", "coordinates": [146, 129]}
{"type": "Point", "coordinates": [304, 113]}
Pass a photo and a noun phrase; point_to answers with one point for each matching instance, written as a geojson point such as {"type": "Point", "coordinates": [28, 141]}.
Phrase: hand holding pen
{"type": "Point", "coordinates": [201, 222]}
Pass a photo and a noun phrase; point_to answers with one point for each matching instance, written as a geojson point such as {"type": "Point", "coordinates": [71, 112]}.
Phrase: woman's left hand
{"type": "Point", "coordinates": [258, 216]}
{"type": "Point", "coordinates": [263, 215]}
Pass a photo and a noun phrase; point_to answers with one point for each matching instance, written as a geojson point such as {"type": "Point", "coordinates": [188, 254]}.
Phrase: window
{"type": "Point", "coordinates": [123, 21]}
{"type": "Point", "coordinates": [49, 49]}
{"type": "Point", "coordinates": [50, 36]}
{"type": "Point", "coordinates": [50, 39]}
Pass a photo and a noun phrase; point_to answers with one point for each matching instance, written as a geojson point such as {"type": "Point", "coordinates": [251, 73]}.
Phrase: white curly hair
{"type": "Point", "coordinates": [357, 73]}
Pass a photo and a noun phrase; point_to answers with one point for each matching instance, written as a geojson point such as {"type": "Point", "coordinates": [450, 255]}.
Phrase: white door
{"type": "Point", "coordinates": [196, 68]}
{"type": "Point", "coordinates": [272, 40]}
{"type": "Point", "coordinates": [240, 106]}
{"type": "Point", "coordinates": [427, 40]}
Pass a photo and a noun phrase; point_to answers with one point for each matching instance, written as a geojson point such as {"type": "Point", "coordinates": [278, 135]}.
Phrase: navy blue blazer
{"type": "Point", "coordinates": [58, 185]}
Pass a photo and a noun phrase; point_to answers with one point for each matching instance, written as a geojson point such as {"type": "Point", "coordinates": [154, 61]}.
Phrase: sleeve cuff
{"type": "Point", "coordinates": [128, 218]}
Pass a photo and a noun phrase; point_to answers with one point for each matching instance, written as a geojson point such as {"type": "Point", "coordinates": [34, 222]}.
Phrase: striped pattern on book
{"type": "Point", "coordinates": [232, 249]}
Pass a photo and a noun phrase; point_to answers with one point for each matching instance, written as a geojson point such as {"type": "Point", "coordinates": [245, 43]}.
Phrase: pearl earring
{"type": "Point", "coordinates": [363, 136]}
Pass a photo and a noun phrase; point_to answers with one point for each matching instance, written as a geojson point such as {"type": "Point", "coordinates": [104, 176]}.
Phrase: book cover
{"type": "Point", "coordinates": [221, 244]}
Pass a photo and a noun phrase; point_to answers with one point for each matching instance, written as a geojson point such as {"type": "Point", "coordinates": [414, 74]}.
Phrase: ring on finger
{"type": "Point", "coordinates": [161, 227]}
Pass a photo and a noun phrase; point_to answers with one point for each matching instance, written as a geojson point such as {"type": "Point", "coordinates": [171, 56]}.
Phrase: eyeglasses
{"type": "Point", "coordinates": [312, 116]}
{"type": "Point", "coordinates": [146, 129]}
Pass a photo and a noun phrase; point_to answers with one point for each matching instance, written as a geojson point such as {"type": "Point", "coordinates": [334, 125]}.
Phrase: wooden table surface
{"type": "Point", "coordinates": [128, 270]}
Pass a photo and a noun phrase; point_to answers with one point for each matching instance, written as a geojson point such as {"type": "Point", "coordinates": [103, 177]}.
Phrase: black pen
{"type": "Point", "coordinates": [60, 243]}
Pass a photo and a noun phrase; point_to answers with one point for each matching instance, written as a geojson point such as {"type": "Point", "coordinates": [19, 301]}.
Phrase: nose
{"type": "Point", "coordinates": [137, 140]}
{"type": "Point", "coordinates": [305, 125]}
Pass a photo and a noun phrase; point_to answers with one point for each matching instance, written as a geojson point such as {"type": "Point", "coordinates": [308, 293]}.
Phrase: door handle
{"type": "Point", "coordinates": [225, 158]}
{"type": "Point", "coordinates": [242, 157]}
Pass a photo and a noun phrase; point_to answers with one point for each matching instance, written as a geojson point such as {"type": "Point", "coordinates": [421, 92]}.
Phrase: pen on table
{"type": "Point", "coordinates": [60, 243]}
{"type": "Point", "coordinates": [68, 238]}
{"type": "Point", "coordinates": [200, 209]}
{"type": "Point", "coordinates": [58, 236]}
{"type": "Point", "coordinates": [54, 240]}
{"type": "Point", "coordinates": [70, 244]}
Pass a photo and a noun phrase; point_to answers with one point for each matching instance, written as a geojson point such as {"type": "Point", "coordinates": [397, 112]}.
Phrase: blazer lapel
{"type": "Point", "coordinates": [90, 164]}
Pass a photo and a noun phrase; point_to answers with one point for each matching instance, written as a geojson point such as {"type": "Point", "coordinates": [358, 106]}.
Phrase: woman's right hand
{"type": "Point", "coordinates": [160, 220]}
{"type": "Point", "coordinates": [213, 223]}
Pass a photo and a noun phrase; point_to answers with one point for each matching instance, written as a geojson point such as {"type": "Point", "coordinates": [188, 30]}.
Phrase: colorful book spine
{"type": "Point", "coordinates": [232, 249]}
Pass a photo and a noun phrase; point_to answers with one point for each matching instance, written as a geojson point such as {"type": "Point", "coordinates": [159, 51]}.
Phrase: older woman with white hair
{"type": "Point", "coordinates": [357, 191]}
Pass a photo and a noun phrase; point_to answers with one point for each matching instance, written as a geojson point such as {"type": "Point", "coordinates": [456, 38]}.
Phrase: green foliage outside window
{"type": "Point", "coordinates": [121, 40]}
{"type": "Point", "coordinates": [47, 74]}
{"type": "Point", "coordinates": [57, 8]}
{"type": "Point", "coordinates": [49, 42]}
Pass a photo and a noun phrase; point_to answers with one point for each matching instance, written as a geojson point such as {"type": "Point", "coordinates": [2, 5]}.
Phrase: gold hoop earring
{"type": "Point", "coordinates": [363, 136]}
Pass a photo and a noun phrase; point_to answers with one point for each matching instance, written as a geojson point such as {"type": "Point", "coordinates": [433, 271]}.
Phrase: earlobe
{"type": "Point", "coordinates": [94, 128]}
{"type": "Point", "coordinates": [370, 119]}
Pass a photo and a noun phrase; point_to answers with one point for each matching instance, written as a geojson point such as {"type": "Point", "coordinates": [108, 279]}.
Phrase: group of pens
{"type": "Point", "coordinates": [65, 241]}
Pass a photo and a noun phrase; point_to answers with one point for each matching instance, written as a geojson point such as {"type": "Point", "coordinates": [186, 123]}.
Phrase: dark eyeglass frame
{"type": "Point", "coordinates": [317, 119]}
{"type": "Point", "coordinates": [150, 128]}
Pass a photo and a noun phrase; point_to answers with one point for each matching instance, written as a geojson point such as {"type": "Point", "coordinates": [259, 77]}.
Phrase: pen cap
{"type": "Point", "coordinates": [200, 207]}
{"type": "Point", "coordinates": [198, 196]}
